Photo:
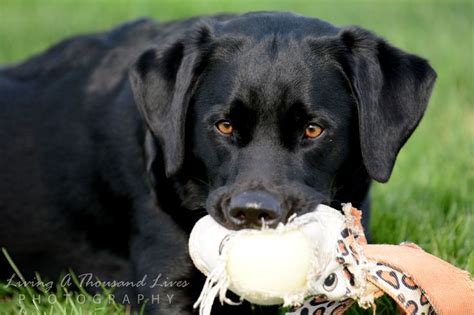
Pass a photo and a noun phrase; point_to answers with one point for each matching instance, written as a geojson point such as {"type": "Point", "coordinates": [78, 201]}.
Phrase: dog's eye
{"type": "Point", "coordinates": [225, 127]}
{"type": "Point", "coordinates": [313, 131]}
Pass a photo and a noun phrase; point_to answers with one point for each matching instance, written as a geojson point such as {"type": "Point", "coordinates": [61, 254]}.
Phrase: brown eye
{"type": "Point", "coordinates": [313, 131]}
{"type": "Point", "coordinates": [225, 127]}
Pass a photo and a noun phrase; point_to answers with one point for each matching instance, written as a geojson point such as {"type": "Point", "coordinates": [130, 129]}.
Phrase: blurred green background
{"type": "Point", "coordinates": [429, 199]}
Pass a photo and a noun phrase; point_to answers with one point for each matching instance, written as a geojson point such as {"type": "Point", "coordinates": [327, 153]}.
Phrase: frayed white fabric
{"type": "Point", "coordinates": [216, 284]}
{"type": "Point", "coordinates": [291, 261]}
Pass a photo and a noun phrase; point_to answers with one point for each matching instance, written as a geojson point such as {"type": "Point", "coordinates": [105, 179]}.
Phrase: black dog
{"type": "Point", "coordinates": [114, 144]}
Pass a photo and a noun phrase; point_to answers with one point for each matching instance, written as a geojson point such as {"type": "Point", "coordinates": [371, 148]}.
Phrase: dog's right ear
{"type": "Point", "coordinates": [163, 81]}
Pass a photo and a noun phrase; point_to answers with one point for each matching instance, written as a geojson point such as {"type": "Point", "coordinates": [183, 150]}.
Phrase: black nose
{"type": "Point", "coordinates": [252, 208]}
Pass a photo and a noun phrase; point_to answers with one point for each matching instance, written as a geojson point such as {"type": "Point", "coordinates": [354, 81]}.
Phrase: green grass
{"type": "Point", "coordinates": [429, 199]}
{"type": "Point", "coordinates": [55, 300]}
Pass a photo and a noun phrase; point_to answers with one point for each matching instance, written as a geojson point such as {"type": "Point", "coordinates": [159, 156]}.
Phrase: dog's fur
{"type": "Point", "coordinates": [110, 151]}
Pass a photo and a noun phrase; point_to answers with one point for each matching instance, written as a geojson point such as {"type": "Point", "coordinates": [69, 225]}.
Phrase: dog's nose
{"type": "Point", "coordinates": [252, 208]}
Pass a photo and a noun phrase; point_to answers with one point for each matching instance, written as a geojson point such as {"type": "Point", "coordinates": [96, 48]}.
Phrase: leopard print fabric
{"type": "Point", "coordinates": [410, 298]}
{"type": "Point", "coordinates": [362, 280]}
{"type": "Point", "coordinates": [400, 287]}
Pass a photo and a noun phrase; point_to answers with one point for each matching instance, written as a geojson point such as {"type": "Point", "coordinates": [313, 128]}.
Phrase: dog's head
{"type": "Point", "coordinates": [263, 112]}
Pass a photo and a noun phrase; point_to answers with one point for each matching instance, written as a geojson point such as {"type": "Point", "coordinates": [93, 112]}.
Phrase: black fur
{"type": "Point", "coordinates": [110, 151]}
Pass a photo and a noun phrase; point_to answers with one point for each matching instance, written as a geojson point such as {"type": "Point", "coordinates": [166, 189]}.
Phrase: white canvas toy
{"type": "Point", "coordinates": [320, 263]}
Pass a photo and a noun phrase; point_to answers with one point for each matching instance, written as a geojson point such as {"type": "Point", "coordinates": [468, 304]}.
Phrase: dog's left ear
{"type": "Point", "coordinates": [163, 81]}
{"type": "Point", "coordinates": [392, 89]}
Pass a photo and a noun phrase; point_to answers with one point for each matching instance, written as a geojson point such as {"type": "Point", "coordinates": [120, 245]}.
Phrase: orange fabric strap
{"type": "Point", "coordinates": [449, 289]}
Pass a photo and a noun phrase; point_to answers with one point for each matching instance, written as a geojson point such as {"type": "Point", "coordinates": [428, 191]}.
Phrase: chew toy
{"type": "Point", "coordinates": [320, 263]}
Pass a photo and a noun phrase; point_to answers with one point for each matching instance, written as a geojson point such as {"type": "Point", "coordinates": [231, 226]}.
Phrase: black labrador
{"type": "Point", "coordinates": [114, 144]}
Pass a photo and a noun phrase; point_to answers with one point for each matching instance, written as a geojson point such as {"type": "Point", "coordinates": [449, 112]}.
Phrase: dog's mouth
{"type": "Point", "coordinates": [256, 205]}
